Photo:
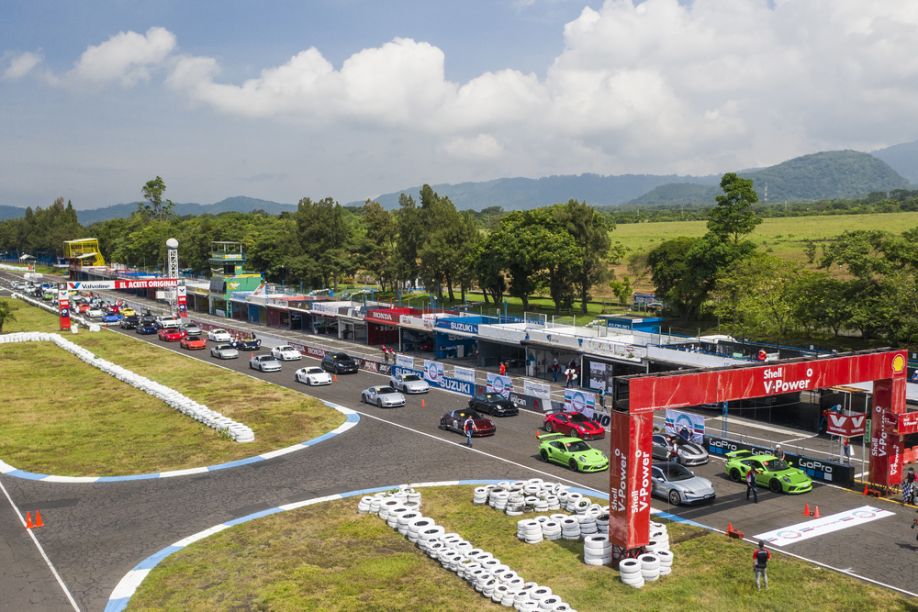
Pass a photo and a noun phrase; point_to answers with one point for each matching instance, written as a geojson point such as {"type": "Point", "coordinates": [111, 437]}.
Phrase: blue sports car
{"type": "Point", "coordinates": [146, 329]}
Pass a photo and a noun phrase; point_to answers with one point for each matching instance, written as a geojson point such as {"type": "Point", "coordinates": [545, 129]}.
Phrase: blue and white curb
{"type": "Point", "coordinates": [128, 585]}
{"type": "Point", "coordinates": [352, 418]}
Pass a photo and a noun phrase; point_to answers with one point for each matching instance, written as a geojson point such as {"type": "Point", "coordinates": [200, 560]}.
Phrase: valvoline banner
{"type": "Point", "coordinates": [629, 479]}
{"type": "Point", "coordinates": [446, 383]}
{"type": "Point", "coordinates": [580, 401]}
{"type": "Point", "coordinates": [433, 371]}
{"type": "Point", "coordinates": [502, 385]}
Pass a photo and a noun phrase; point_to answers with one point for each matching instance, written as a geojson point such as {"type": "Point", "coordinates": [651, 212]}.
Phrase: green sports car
{"type": "Point", "coordinates": [771, 472]}
{"type": "Point", "coordinates": [571, 452]}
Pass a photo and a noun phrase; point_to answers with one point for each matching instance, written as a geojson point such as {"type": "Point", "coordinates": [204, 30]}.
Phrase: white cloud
{"type": "Point", "coordinates": [127, 57]}
{"type": "Point", "coordinates": [21, 65]}
{"type": "Point", "coordinates": [480, 147]}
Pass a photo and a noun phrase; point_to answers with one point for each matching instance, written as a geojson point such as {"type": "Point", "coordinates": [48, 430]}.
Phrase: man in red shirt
{"type": "Point", "coordinates": [760, 556]}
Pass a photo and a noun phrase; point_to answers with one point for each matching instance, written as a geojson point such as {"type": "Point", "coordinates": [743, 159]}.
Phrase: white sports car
{"type": "Point", "coordinates": [219, 335]}
{"type": "Point", "coordinates": [313, 376]}
{"type": "Point", "coordinates": [409, 383]}
{"type": "Point", "coordinates": [383, 396]}
{"type": "Point", "coordinates": [286, 353]}
{"type": "Point", "coordinates": [224, 351]}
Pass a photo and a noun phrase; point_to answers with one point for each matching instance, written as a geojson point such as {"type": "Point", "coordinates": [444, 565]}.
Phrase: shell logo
{"type": "Point", "coordinates": [898, 363]}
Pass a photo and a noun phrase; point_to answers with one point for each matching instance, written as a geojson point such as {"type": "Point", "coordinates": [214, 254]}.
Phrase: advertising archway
{"type": "Point", "coordinates": [637, 397]}
{"type": "Point", "coordinates": [64, 289]}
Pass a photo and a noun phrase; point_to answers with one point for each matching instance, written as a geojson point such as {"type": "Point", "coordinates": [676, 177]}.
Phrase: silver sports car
{"type": "Point", "coordinates": [677, 484]}
{"type": "Point", "coordinates": [688, 453]}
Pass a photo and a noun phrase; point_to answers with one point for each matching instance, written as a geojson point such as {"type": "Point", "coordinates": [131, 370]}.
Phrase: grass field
{"type": "Point", "coordinates": [328, 557]}
{"type": "Point", "coordinates": [783, 236]}
{"type": "Point", "coordinates": [65, 417]}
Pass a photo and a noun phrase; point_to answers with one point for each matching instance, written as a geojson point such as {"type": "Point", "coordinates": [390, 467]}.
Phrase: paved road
{"type": "Point", "coordinates": [96, 533]}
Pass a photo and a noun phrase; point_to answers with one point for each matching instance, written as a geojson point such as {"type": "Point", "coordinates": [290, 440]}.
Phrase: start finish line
{"type": "Point", "coordinates": [149, 283]}
{"type": "Point", "coordinates": [822, 526]}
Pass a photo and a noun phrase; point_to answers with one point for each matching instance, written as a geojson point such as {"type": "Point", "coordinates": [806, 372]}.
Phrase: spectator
{"type": "Point", "coordinates": [569, 375]}
{"type": "Point", "coordinates": [908, 486]}
{"type": "Point", "coordinates": [673, 450]}
{"type": "Point", "coordinates": [761, 556]}
{"type": "Point", "coordinates": [779, 452]}
{"type": "Point", "coordinates": [750, 488]}
{"type": "Point", "coordinates": [685, 434]}
{"type": "Point", "coordinates": [503, 369]}
{"type": "Point", "coordinates": [555, 370]}
{"type": "Point", "coordinates": [847, 450]}
{"type": "Point", "coordinates": [762, 355]}
{"type": "Point", "coordinates": [469, 427]}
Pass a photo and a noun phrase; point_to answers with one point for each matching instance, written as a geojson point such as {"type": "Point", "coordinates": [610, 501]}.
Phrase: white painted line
{"type": "Point", "coordinates": [309, 502]}
{"type": "Point", "coordinates": [129, 583]}
{"type": "Point", "coordinates": [822, 526]}
{"type": "Point", "coordinates": [201, 535]}
{"type": "Point", "coordinates": [41, 550]}
{"type": "Point", "coordinates": [5, 467]}
{"type": "Point", "coordinates": [71, 479]}
{"type": "Point", "coordinates": [186, 472]}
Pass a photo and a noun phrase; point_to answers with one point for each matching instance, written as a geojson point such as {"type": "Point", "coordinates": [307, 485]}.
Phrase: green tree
{"type": "Point", "coordinates": [410, 231]}
{"type": "Point", "coordinates": [733, 216]}
{"type": "Point", "coordinates": [378, 255]}
{"type": "Point", "coordinates": [754, 297]}
{"type": "Point", "coordinates": [590, 231]}
{"type": "Point", "coordinates": [622, 289]}
{"type": "Point", "coordinates": [153, 205]}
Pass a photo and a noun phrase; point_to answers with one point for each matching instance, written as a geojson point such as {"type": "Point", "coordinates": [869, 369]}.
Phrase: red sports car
{"type": "Point", "coordinates": [455, 421]}
{"type": "Point", "coordinates": [84, 308]}
{"type": "Point", "coordinates": [193, 344]}
{"type": "Point", "coordinates": [171, 334]}
{"type": "Point", "coordinates": [574, 424]}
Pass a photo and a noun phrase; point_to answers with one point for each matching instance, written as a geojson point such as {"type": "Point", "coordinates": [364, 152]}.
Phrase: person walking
{"type": "Point", "coordinates": [673, 450]}
{"type": "Point", "coordinates": [385, 354]}
{"type": "Point", "coordinates": [908, 486]}
{"type": "Point", "coordinates": [847, 451]}
{"type": "Point", "coordinates": [503, 369]}
{"type": "Point", "coordinates": [750, 485]}
{"type": "Point", "coordinates": [469, 427]}
{"type": "Point", "coordinates": [760, 558]}
{"type": "Point", "coordinates": [555, 370]}
{"type": "Point", "coordinates": [569, 377]}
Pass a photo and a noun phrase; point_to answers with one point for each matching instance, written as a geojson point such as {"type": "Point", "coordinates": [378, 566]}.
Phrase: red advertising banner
{"type": "Point", "coordinates": [847, 425]}
{"type": "Point", "coordinates": [146, 283]}
{"type": "Point", "coordinates": [387, 316]}
{"type": "Point", "coordinates": [908, 423]}
{"type": "Point", "coordinates": [885, 444]}
{"type": "Point", "coordinates": [629, 479]}
{"type": "Point", "coordinates": [63, 306]}
{"type": "Point", "coordinates": [672, 391]}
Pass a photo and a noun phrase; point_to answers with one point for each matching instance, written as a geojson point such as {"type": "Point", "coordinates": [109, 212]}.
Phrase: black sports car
{"type": "Point", "coordinates": [130, 322]}
{"type": "Point", "coordinates": [146, 329]}
{"type": "Point", "coordinates": [246, 345]}
{"type": "Point", "coordinates": [339, 363]}
{"type": "Point", "coordinates": [494, 404]}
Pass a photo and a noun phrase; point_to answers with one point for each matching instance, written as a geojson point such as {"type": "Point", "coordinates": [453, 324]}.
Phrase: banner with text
{"type": "Point", "coordinates": [537, 388]}
{"type": "Point", "coordinates": [433, 371]}
{"type": "Point", "coordinates": [404, 361]}
{"type": "Point", "coordinates": [501, 385]}
{"type": "Point", "coordinates": [446, 383]}
{"type": "Point", "coordinates": [466, 374]}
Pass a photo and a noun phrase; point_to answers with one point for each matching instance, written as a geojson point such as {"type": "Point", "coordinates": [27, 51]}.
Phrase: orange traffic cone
{"type": "Point", "coordinates": [334, 377]}
{"type": "Point", "coordinates": [38, 521]}
{"type": "Point", "coordinates": [729, 527]}
{"type": "Point", "coordinates": [816, 514]}
{"type": "Point", "coordinates": [806, 509]}
{"type": "Point", "coordinates": [422, 403]}
{"type": "Point", "coordinates": [28, 520]}
{"type": "Point", "coordinates": [866, 492]}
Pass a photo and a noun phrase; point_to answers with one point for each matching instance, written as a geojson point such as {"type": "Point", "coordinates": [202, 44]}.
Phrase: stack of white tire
{"type": "Point", "coordinates": [657, 561]}
{"type": "Point", "coordinates": [185, 405]}
{"type": "Point", "coordinates": [484, 572]}
{"type": "Point", "coordinates": [535, 495]}
{"type": "Point", "coordinates": [597, 550]}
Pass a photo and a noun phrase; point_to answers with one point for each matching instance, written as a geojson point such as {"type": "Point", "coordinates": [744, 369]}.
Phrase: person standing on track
{"type": "Point", "coordinates": [468, 427]}
{"type": "Point", "coordinates": [503, 369]}
{"type": "Point", "coordinates": [761, 557]}
{"type": "Point", "coordinates": [750, 488]}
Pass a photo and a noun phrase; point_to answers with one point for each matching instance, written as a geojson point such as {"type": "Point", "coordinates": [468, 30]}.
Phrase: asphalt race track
{"type": "Point", "coordinates": [95, 533]}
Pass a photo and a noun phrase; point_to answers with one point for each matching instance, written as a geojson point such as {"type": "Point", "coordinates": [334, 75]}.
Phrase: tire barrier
{"type": "Point", "coordinates": [187, 406]}
{"type": "Point", "coordinates": [401, 509]}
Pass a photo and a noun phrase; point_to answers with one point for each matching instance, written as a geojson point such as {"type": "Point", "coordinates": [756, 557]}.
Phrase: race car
{"type": "Point", "coordinates": [84, 308]}
{"type": "Point", "coordinates": [128, 311]}
{"type": "Point", "coordinates": [146, 329]}
{"type": "Point", "coordinates": [771, 472]}
{"type": "Point", "coordinates": [573, 424]}
{"type": "Point", "coordinates": [171, 334]}
{"type": "Point", "coordinates": [265, 363]}
{"type": "Point", "coordinates": [286, 353]}
{"type": "Point", "coordinates": [110, 318]}
{"type": "Point", "coordinates": [571, 452]}
{"type": "Point", "coordinates": [494, 404]}
{"type": "Point", "coordinates": [224, 351]}
{"type": "Point", "coordinates": [687, 453]}
{"type": "Point", "coordinates": [339, 363]}
{"type": "Point", "coordinates": [678, 485]}
{"type": "Point", "coordinates": [313, 375]}
{"type": "Point", "coordinates": [193, 344]}
{"type": "Point", "coordinates": [454, 420]}
{"type": "Point", "coordinates": [383, 396]}
{"type": "Point", "coordinates": [409, 383]}
{"type": "Point", "coordinates": [219, 335]}
{"type": "Point", "coordinates": [246, 345]}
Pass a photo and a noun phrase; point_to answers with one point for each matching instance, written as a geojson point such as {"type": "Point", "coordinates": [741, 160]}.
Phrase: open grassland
{"type": "Point", "coordinates": [328, 557]}
{"type": "Point", "coordinates": [63, 416]}
{"type": "Point", "coordinates": [785, 237]}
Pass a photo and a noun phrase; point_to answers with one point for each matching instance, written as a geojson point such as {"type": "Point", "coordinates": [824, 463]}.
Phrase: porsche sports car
{"type": "Point", "coordinates": [573, 424]}
{"type": "Point", "coordinates": [219, 335]}
{"type": "Point", "coordinates": [313, 375]}
{"type": "Point", "coordinates": [339, 363]}
{"type": "Point", "coordinates": [494, 404]}
{"type": "Point", "coordinates": [193, 344]}
{"type": "Point", "coordinates": [171, 334]}
{"type": "Point", "coordinates": [286, 353]}
{"type": "Point", "coordinates": [111, 318]}
{"type": "Point", "coordinates": [265, 363]}
{"type": "Point", "coordinates": [84, 308]}
{"type": "Point", "coordinates": [95, 313]}
{"type": "Point", "coordinates": [129, 322]}
{"type": "Point", "coordinates": [688, 453]}
{"type": "Point", "coordinates": [455, 420]}
{"type": "Point", "coordinates": [224, 351]}
{"type": "Point", "coordinates": [571, 452]}
{"type": "Point", "coordinates": [192, 329]}
{"type": "Point", "coordinates": [128, 311]}
{"type": "Point", "coordinates": [409, 383]}
{"type": "Point", "coordinates": [146, 329]}
{"type": "Point", "coordinates": [167, 321]}
{"type": "Point", "coordinates": [678, 485]}
{"type": "Point", "coordinates": [383, 396]}
{"type": "Point", "coordinates": [246, 345]}
{"type": "Point", "coordinates": [771, 472]}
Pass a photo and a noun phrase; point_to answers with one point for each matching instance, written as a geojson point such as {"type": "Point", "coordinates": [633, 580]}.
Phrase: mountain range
{"type": "Point", "coordinates": [825, 175]}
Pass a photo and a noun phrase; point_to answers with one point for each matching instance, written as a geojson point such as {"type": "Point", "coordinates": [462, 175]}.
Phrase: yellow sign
{"type": "Point", "coordinates": [898, 363]}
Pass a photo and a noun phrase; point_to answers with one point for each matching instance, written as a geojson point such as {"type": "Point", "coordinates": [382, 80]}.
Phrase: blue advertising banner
{"type": "Point", "coordinates": [446, 383]}
{"type": "Point", "coordinates": [468, 325]}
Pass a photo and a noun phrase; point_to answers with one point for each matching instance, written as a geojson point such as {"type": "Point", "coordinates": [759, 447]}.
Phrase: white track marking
{"type": "Point", "coordinates": [41, 550]}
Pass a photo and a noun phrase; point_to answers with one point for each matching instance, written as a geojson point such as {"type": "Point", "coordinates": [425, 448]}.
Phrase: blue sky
{"type": "Point", "coordinates": [353, 98]}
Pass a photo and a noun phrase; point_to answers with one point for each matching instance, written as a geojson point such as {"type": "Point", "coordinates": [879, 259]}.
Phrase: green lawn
{"type": "Point", "coordinates": [65, 417]}
{"type": "Point", "coordinates": [328, 557]}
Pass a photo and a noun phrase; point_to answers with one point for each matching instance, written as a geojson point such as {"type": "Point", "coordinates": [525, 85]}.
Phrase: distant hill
{"type": "Point", "coordinates": [526, 193]}
{"type": "Point", "coordinates": [10, 212]}
{"type": "Point", "coordinates": [820, 176]}
{"type": "Point", "coordinates": [233, 204]}
{"type": "Point", "coordinates": [903, 158]}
